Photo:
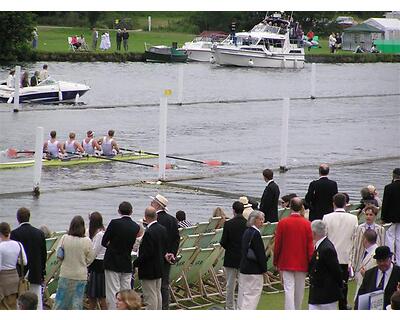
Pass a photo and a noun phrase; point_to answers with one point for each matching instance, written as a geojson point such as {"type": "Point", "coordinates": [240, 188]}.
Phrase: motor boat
{"type": "Point", "coordinates": [267, 45]}
{"type": "Point", "coordinates": [200, 48]}
{"type": "Point", "coordinates": [49, 90]}
{"type": "Point", "coordinates": [162, 53]}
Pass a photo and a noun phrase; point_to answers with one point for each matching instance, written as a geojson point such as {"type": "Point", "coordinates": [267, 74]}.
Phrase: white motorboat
{"type": "Point", "coordinates": [200, 48]}
{"type": "Point", "coordinates": [267, 45]}
{"type": "Point", "coordinates": [49, 90]}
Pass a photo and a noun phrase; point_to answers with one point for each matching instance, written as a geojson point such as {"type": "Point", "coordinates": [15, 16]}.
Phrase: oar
{"type": "Point", "coordinates": [124, 161]}
{"type": "Point", "coordinates": [207, 162]}
{"type": "Point", "coordinates": [12, 153]}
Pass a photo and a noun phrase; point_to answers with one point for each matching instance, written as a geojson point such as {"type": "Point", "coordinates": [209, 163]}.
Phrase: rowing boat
{"type": "Point", "coordinates": [76, 160]}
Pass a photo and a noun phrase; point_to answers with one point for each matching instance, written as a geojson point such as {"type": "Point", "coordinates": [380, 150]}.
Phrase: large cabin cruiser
{"type": "Point", "coordinates": [267, 45]}
{"type": "Point", "coordinates": [48, 90]}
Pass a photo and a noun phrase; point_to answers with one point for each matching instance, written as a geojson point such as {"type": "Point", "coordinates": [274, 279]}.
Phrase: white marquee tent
{"type": "Point", "coordinates": [391, 27]}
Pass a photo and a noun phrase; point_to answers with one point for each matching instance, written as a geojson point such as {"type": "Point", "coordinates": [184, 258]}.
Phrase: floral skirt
{"type": "Point", "coordinates": [69, 294]}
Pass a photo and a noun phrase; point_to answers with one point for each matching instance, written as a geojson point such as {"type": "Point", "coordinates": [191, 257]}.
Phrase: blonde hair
{"type": "Point", "coordinates": [219, 212]}
{"type": "Point", "coordinates": [130, 298]}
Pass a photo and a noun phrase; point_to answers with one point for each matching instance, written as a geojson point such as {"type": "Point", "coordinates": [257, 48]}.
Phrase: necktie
{"type": "Point", "coordinates": [382, 282]}
{"type": "Point", "coordinates": [365, 254]}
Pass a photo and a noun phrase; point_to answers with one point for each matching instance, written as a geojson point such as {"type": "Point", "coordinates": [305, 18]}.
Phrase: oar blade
{"type": "Point", "coordinates": [11, 153]}
{"type": "Point", "coordinates": [213, 163]}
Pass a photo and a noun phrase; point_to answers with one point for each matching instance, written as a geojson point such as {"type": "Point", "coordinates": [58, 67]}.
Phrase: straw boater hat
{"type": "Point", "coordinates": [247, 206]}
{"type": "Point", "coordinates": [161, 200]}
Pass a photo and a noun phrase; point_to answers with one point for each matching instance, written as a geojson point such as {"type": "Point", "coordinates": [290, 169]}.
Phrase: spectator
{"type": "Point", "coordinates": [152, 255]}
{"type": "Point", "coordinates": [385, 276]}
{"type": "Point", "coordinates": [391, 214]}
{"type": "Point", "coordinates": [75, 42]}
{"type": "Point", "coordinates": [83, 44]}
{"type": "Point", "coordinates": [231, 241]}
{"type": "Point", "coordinates": [247, 207]}
{"type": "Point", "coordinates": [35, 37]}
{"type": "Point", "coordinates": [367, 198]}
{"type": "Point", "coordinates": [219, 212]}
{"type": "Point", "coordinates": [374, 49]}
{"type": "Point", "coordinates": [10, 252]}
{"type": "Point", "coordinates": [11, 79]}
{"type": "Point", "coordinates": [357, 250]}
{"type": "Point", "coordinates": [270, 197]}
{"type": "Point", "coordinates": [125, 37]}
{"type": "Point", "coordinates": [338, 41]}
{"type": "Point", "coordinates": [324, 271]}
{"type": "Point", "coordinates": [332, 42]}
{"type": "Point", "coordinates": [25, 79]}
{"type": "Point", "coordinates": [27, 301]}
{"type": "Point", "coordinates": [119, 239]}
{"type": "Point", "coordinates": [128, 299]}
{"type": "Point", "coordinates": [96, 287]}
{"type": "Point", "coordinates": [44, 74]}
{"type": "Point", "coordinates": [78, 255]}
{"type": "Point", "coordinates": [366, 261]}
{"type": "Point", "coordinates": [181, 217]}
{"type": "Point", "coordinates": [34, 244]}
{"type": "Point", "coordinates": [46, 231]}
{"type": "Point", "coordinates": [95, 37]}
{"type": "Point", "coordinates": [253, 263]}
{"type": "Point", "coordinates": [35, 79]}
{"type": "Point", "coordinates": [286, 200]}
{"type": "Point", "coordinates": [293, 250]}
{"type": "Point", "coordinates": [310, 36]}
{"type": "Point", "coordinates": [374, 192]}
{"type": "Point", "coordinates": [341, 226]}
{"type": "Point", "coordinates": [119, 39]}
{"type": "Point", "coordinates": [320, 194]}
{"type": "Point", "coordinates": [171, 224]}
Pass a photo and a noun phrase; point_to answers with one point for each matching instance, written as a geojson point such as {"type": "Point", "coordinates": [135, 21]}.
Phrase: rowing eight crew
{"type": "Point", "coordinates": [106, 146]}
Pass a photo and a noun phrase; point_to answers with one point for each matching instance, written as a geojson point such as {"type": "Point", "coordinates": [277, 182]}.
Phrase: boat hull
{"type": "Point", "coordinates": [200, 55]}
{"type": "Point", "coordinates": [240, 58]}
{"type": "Point", "coordinates": [46, 97]}
{"type": "Point", "coordinates": [159, 57]}
{"type": "Point", "coordinates": [75, 161]}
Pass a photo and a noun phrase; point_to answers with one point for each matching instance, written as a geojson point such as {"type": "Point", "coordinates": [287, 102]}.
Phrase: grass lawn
{"type": "Point", "coordinates": [325, 49]}
{"type": "Point", "coordinates": [55, 39]}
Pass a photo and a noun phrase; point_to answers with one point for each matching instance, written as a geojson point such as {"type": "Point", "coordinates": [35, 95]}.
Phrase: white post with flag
{"type": "Point", "coordinates": [17, 81]}
{"type": "Point", "coordinates": [180, 85]}
{"type": "Point", "coordinates": [284, 134]}
{"type": "Point", "coordinates": [313, 76]}
{"type": "Point", "coordinates": [38, 161]}
{"type": "Point", "coordinates": [162, 144]}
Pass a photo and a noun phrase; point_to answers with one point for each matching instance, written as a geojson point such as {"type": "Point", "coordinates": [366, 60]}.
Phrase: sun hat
{"type": "Point", "coordinates": [161, 200]}
{"type": "Point", "coordinates": [245, 201]}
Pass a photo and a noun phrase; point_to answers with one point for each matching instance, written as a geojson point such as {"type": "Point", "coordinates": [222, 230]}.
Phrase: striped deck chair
{"type": "Point", "coordinates": [217, 237]}
{"type": "Point", "coordinates": [205, 239]}
{"type": "Point", "coordinates": [183, 232]}
{"type": "Point", "coordinates": [283, 213]}
{"type": "Point", "coordinates": [269, 229]}
{"type": "Point", "coordinates": [190, 241]}
{"type": "Point", "coordinates": [212, 224]}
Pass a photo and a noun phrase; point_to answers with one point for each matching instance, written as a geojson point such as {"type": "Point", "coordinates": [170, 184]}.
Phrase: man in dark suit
{"type": "Point", "coordinates": [171, 224]}
{"type": "Point", "coordinates": [391, 213]}
{"type": "Point", "coordinates": [231, 241]}
{"type": "Point", "coordinates": [119, 239]}
{"type": "Point", "coordinates": [270, 197]}
{"type": "Point", "coordinates": [150, 261]}
{"type": "Point", "coordinates": [385, 276]}
{"type": "Point", "coordinates": [34, 244]}
{"type": "Point", "coordinates": [319, 197]}
{"type": "Point", "coordinates": [324, 271]}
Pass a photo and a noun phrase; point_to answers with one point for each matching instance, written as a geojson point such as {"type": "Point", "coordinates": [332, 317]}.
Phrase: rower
{"type": "Point", "coordinates": [109, 145]}
{"type": "Point", "coordinates": [52, 147]}
{"type": "Point", "coordinates": [89, 144]}
{"type": "Point", "coordinates": [72, 146]}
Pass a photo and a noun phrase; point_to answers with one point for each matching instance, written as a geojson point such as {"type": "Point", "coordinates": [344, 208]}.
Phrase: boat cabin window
{"type": "Point", "coordinates": [276, 43]}
{"type": "Point", "coordinates": [47, 82]}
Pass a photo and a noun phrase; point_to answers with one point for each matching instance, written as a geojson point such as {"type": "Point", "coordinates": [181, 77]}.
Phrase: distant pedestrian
{"type": "Point", "coordinates": [319, 197]}
{"type": "Point", "coordinates": [35, 37]}
{"type": "Point", "coordinates": [338, 41]}
{"type": "Point", "coordinates": [125, 37]}
{"type": "Point", "coordinates": [181, 217]}
{"type": "Point", "coordinates": [95, 37]}
{"type": "Point", "coordinates": [34, 244]}
{"type": "Point", "coordinates": [231, 241]}
{"type": "Point", "coordinates": [332, 42]}
{"type": "Point", "coordinates": [292, 253]}
{"type": "Point", "coordinates": [119, 239]}
{"type": "Point", "coordinates": [270, 197]}
{"type": "Point", "coordinates": [391, 214]}
{"type": "Point", "coordinates": [119, 39]}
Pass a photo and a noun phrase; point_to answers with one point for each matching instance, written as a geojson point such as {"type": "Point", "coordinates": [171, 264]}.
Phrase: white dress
{"type": "Point", "coordinates": [108, 42]}
{"type": "Point", "coordinates": [103, 43]}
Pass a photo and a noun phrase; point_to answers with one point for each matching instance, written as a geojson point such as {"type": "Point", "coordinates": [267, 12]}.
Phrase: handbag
{"type": "Point", "coordinates": [60, 251]}
{"type": "Point", "coordinates": [23, 283]}
{"type": "Point", "coordinates": [251, 255]}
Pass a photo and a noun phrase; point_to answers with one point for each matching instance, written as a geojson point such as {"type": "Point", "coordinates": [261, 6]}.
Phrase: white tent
{"type": "Point", "coordinates": [391, 27]}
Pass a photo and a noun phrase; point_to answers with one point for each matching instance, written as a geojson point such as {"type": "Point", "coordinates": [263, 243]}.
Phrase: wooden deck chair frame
{"type": "Point", "coordinates": [201, 227]}
{"type": "Point", "coordinates": [205, 239]}
{"type": "Point", "coordinates": [269, 229]}
{"type": "Point", "coordinates": [283, 213]}
{"type": "Point", "coordinates": [183, 232]}
{"type": "Point", "coordinates": [217, 237]}
{"type": "Point", "coordinates": [190, 241]}
{"type": "Point", "coordinates": [50, 243]}
{"type": "Point", "coordinates": [212, 224]}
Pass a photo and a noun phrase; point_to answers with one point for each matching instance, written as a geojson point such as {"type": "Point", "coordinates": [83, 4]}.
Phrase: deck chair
{"type": "Point", "coordinates": [283, 213]}
{"type": "Point", "coordinates": [70, 46]}
{"type": "Point", "coordinates": [212, 224]}
{"type": "Point", "coordinates": [50, 243]}
{"type": "Point", "coordinates": [217, 237]}
{"type": "Point", "coordinates": [269, 229]}
{"type": "Point", "coordinates": [183, 232]}
{"type": "Point", "coordinates": [205, 239]}
{"type": "Point", "coordinates": [190, 241]}
{"type": "Point", "coordinates": [201, 227]}
{"type": "Point", "coordinates": [267, 241]}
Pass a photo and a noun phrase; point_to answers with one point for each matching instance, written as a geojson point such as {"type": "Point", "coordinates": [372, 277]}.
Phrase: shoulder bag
{"type": "Point", "coordinates": [60, 251]}
{"type": "Point", "coordinates": [251, 255]}
{"type": "Point", "coordinates": [23, 283]}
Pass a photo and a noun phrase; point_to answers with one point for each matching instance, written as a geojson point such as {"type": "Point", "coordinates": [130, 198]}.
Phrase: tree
{"type": "Point", "coordinates": [15, 35]}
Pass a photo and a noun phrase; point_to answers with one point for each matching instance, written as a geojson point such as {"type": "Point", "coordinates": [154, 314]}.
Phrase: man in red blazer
{"type": "Point", "coordinates": [292, 253]}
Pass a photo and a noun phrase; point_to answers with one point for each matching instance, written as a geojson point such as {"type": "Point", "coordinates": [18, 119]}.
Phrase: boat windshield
{"type": "Point", "coordinates": [47, 82]}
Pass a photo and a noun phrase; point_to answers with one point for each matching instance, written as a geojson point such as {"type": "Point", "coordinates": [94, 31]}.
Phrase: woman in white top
{"type": "Point", "coordinates": [10, 251]}
{"type": "Point", "coordinates": [78, 255]}
{"type": "Point", "coordinates": [96, 288]}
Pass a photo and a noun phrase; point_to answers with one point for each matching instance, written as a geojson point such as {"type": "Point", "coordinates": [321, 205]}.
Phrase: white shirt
{"type": "Point", "coordinates": [99, 250]}
{"type": "Point", "coordinates": [269, 182]}
{"type": "Point", "coordinates": [153, 222]}
{"type": "Point", "coordinates": [319, 242]}
{"type": "Point", "coordinates": [387, 276]}
{"type": "Point", "coordinates": [256, 228]}
{"type": "Point", "coordinates": [10, 81]}
{"type": "Point", "coordinates": [9, 254]}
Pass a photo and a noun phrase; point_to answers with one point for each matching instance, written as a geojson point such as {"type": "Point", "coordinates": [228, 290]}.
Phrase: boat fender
{"type": "Point", "coordinates": [212, 60]}
{"type": "Point", "coordinates": [251, 62]}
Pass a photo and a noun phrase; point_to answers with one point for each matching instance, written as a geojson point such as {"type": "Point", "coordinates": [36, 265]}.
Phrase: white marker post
{"type": "Point", "coordinates": [17, 81]}
{"type": "Point", "coordinates": [284, 134]}
{"type": "Point", "coordinates": [162, 144]}
{"type": "Point", "coordinates": [180, 85]}
{"type": "Point", "coordinates": [149, 22]}
{"type": "Point", "coordinates": [313, 73]}
{"type": "Point", "coordinates": [38, 161]}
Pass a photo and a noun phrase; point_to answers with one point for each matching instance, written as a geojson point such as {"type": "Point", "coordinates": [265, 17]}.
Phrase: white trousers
{"type": "Point", "coordinates": [393, 241]}
{"type": "Point", "coordinates": [37, 289]}
{"type": "Point", "coordinates": [152, 294]}
{"type": "Point", "coordinates": [293, 283]}
{"type": "Point", "coordinates": [115, 282]}
{"type": "Point", "coordinates": [326, 306]}
{"type": "Point", "coordinates": [250, 289]}
{"type": "Point", "coordinates": [231, 275]}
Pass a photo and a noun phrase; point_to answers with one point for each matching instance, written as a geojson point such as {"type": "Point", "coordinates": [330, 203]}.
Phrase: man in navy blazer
{"type": "Point", "coordinates": [34, 244]}
{"type": "Point", "coordinates": [270, 197]}
{"type": "Point", "coordinates": [152, 251]}
{"type": "Point", "coordinates": [319, 197]}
